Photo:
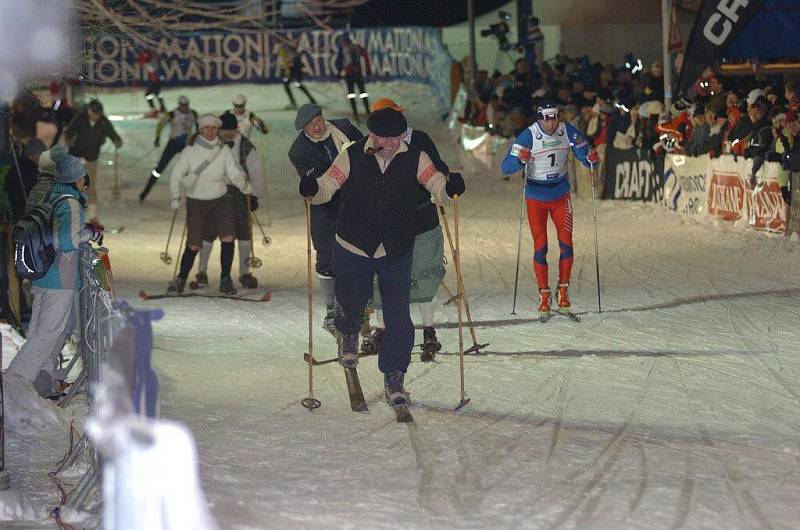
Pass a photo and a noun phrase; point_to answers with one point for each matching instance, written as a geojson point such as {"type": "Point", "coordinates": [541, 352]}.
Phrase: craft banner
{"type": "Point", "coordinates": [631, 176]}
{"type": "Point", "coordinates": [765, 205]}
{"type": "Point", "coordinates": [727, 188]}
{"type": "Point", "coordinates": [716, 26]}
{"type": "Point", "coordinates": [207, 58]}
{"type": "Point", "coordinates": [685, 182]}
{"type": "Point", "coordinates": [794, 209]}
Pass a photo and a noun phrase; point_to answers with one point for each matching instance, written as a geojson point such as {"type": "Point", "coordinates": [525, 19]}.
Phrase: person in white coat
{"type": "Point", "coordinates": [203, 172]}
{"type": "Point", "coordinates": [244, 152]}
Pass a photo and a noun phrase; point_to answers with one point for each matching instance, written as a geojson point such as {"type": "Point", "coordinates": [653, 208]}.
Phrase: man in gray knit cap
{"type": "Point", "coordinates": [317, 145]}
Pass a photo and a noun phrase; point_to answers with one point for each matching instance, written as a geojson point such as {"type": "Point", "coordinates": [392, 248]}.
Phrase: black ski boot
{"type": "Point", "coordinates": [200, 281]}
{"type": "Point", "coordinates": [366, 329]}
{"type": "Point", "coordinates": [328, 322]}
{"type": "Point", "coordinates": [348, 350]}
{"type": "Point", "coordinates": [149, 186]}
{"type": "Point", "coordinates": [396, 394]}
{"type": "Point", "coordinates": [226, 287]}
{"type": "Point", "coordinates": [248, 281]}
{"type": "Point", "coordinates": [176, 286]}
{"type": "Point", "coordinates": [429, 345]}
{"type": "Point", "coordinates": [372, 344]}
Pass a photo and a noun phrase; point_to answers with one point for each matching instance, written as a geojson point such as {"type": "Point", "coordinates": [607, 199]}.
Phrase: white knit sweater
{"type": "Point", "coordinates": [211, 183]}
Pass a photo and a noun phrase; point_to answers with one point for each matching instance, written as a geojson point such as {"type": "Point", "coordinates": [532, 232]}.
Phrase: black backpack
{"type": "Point", "coordinates": [34, 250]}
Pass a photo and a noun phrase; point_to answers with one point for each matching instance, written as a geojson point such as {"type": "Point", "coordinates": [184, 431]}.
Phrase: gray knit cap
{"type": "Point", "coordinates": [305, 114]}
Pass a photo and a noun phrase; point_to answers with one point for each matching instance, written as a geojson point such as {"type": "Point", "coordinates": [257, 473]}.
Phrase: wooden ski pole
{"type": "Point", "coordinates": [459, 295]}
{"type": "Point", "coordinates": [166, 259]}
{"type": "Point", "coordinates": [115, 191]}
{"type": "Point", "coordinates": [310, 402]}
{"type": "Point", "coordinates": [252, 260]}
{"type": "Point", "coordinates": [476, 347]}
{"type": "Point", "coordinates": [180, 246]}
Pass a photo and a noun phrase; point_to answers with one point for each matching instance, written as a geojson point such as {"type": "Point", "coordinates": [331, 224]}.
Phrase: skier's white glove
{"type": "Point", "coordinates": [175, 204]}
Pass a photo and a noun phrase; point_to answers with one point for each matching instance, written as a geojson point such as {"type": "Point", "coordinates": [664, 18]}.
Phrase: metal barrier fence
{"type": "Point", "coordinates": [99, 320]}
{"type": "Point", "coordinates": [122, 435]}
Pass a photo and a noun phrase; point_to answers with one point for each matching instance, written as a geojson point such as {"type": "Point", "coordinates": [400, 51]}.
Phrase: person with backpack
{"type": "Point", "coordinates": [54, 227]}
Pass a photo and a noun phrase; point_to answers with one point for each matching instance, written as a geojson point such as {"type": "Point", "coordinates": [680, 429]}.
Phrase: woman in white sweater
{"type": "Point", "coordinates": [202, 173]}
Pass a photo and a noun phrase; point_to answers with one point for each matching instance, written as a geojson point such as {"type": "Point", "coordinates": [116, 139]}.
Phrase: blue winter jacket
{"type": "Point", "coordinates": [68, 234]}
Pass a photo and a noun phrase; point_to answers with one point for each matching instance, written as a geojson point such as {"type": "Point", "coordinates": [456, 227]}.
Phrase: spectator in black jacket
{"type": "Point", "coordinates": [764, 144]}
{"type": "Point", "coordinates": [317, 145]}
{"type": "Point", "coordinates": [709, 140]}
{"type": "Point", "coordinates": [519, 97]}
{"type": "Point", "coordinates": [86, 134]}
{"type": "Point", "coordinates": [18, 184]}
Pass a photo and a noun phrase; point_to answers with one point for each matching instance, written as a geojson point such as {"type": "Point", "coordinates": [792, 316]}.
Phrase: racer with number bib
{"type": "Point", "coordinates": [541, 151]}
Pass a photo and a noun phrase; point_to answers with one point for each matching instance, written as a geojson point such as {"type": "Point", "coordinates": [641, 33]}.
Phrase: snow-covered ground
{"type": "Point", "coordinates": [674, 408]}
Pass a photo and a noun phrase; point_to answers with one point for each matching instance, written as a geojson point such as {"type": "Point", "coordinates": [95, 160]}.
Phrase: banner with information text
{"type": "Point", "coordinates": [206, 58]}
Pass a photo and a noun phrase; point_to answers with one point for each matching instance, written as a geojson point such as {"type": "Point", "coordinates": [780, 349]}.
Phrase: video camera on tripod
{"type": "Point", "coordinates": [499, 31]}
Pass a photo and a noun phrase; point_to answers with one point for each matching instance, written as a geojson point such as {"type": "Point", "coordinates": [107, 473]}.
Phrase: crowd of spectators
{"type": "Point", "coordinates": [623, 108]}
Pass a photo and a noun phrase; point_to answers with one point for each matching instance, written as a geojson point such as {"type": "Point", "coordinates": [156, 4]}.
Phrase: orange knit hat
{"type": "Point", "coordinates": [386, 103]}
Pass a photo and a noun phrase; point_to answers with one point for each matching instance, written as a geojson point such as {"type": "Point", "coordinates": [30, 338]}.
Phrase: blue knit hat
{"type": "Point", "coordinates": [68, 168]}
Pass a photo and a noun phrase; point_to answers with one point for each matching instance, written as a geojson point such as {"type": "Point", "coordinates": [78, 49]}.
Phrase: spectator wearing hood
{"type": "Point", "coordinates": [769, 144]}
{"type": "Point", "coordinates": [519, 96]}
{"type": "Point", "coordinates": [792, 101]}
{"type": "Point", "coordinates": [717, 119]}
{"type": "Point", "coordinates": [653, 84]}
{"type": "Point", "coordinates": [749, 127]}
{"type": "Point", "coordinates": [626, 124]}
{"type": "Point", "coordinates": [699, 128]}
{"type": "Point", "coordinates": [54, 293]}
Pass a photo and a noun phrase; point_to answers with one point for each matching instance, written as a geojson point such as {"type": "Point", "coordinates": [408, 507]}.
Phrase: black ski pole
{"type": "Point", "coordinates": [596, 254]}
{"type": "Point", "coordinates": [519, 244]}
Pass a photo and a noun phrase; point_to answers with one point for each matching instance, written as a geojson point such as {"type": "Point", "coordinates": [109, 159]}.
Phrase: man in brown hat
{"type": "Point", "coordinates": [378, 179]}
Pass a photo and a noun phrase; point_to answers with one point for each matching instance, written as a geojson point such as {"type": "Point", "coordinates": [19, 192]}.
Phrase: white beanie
{"type": "Point", "coordinates": [754, 95]}
{"type": "Point", "coordinates": [239, 100]}
{"type": "Point", "coordinates": [183, 100]}
{"type": "Point", "coordinates": [209, 120]}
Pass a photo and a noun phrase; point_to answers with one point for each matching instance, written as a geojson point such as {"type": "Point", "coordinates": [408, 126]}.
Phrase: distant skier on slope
{"type": "Point", "coordinates": [292, 69]}
{"type": "Point", "coordinates": [155, 80]}
{"type": "Point", "coordinates": [245, 119]}
{"type": "Point", "coordinates": [542, 151]}
{"type": "Point", "coordinates": [182, 124]}
{"type": "Point", "coordinates": [349, 64]}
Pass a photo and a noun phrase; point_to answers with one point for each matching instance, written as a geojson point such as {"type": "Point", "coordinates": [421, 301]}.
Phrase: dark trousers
{"type": "Point", "coordinates": [353, 288]}
{"type": "Point", "coordinates": [353, 81]}
{"type": "Point", "coordinates": [174, 146]}
{"type": "Point", "coordinates": [154, 91]}
{"type": "Point", "coordinates": [298, 83]}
